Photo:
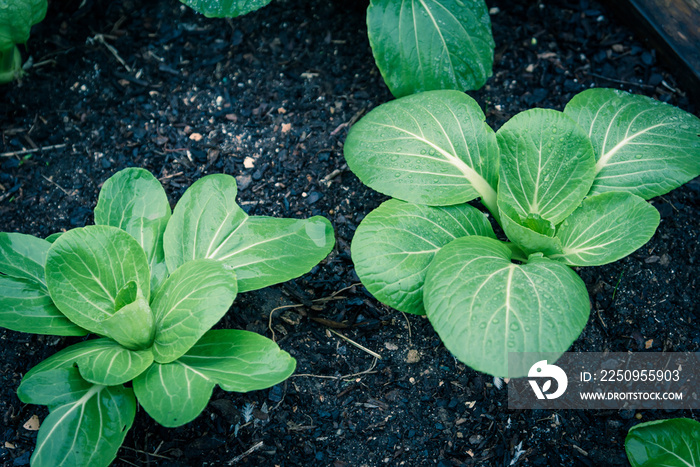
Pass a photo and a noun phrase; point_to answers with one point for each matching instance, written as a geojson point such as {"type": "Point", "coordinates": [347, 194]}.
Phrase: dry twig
{"type": "Point", "coordinates": [57, 185]}
{"type": "Point", "coordinates": [29, 151]}
{"type": "Point", "coordinates": [366, 372]}
{"type": "Point", "coordinates": [252, 449]}
{"type": "Point", "coordinates": [359, 346]}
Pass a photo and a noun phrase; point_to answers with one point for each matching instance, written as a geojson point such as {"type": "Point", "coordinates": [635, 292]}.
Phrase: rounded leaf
{"type": "Point", "coordinates": [605, 228]}
{"type": "Point", "coordinates": [87, 267]}
{"type": "Point", "coordinates": [483, 306]}
{"type": "Point", "coordinates": [207, 223]}
{"type": "Point", "coordinates": [190, 302]}
{"type": "Point", "coordinates": [239, 361]}
{"type": "Point", "coordinates": [225, 8]}
{"type": "Point", "coordinates": [642, 146]}
{"type": "Point", "coordinates": [111, 364]}
{"type": "Point", "coordinates": [135, 201]}
{"type": "Point", "coordinates": [430, 148]}
{"type": "Point", "coordinates": [394, 245]}
{"type": "Point", "coordinates": [89, 430]}
{"type": "Point", "coordinates": [546, 165]}
{"type": "Point", "coordinates": [672, 442]}
{"type": "Point", "coordinates": [173, 394]}
{"type": "Point", "coordinates": [432, 44]}
{"type": "Point", "coordinates": [17, 19]}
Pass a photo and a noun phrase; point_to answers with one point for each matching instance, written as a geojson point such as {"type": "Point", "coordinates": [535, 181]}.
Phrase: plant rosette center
{"type": "Point", "coordinates": [567, 188]}
{"type": "Point", "coordinates": [151, 283]}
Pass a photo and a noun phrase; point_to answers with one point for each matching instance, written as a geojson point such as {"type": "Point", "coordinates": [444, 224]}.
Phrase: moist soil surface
{"type": "Point", "coordinates": [268, 98]}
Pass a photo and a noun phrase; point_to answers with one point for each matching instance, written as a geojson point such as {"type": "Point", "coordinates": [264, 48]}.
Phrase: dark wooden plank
{"type": "Point", "coordinates": [673, 28]}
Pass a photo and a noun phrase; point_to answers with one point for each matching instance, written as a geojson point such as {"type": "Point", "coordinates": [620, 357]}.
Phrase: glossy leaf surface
{"type": "Point", "coordinates": [87, 430]}
{"type": "Point", "coordinates": [483, 306]}
{"type": "Point", "coordinates": [431, 148]}
{"type": "Point", "coordinates": [111, 364]}
{"type": "Point", "coordinates": [176, 393]}
{"type": "Point", "coordinates": [86, 268]}
{"type": "Point", "coordinates": [27, 307]}
{"type": "Point", "coordinates": [133, 324]}
{"type": "Point", "coordinates": [25, 304]}
{"type": "Point", "coordinates": [67, 357]}
{"type": "Point", "coordinates": [674, 442]}
{"type": "Point", "coordinates": [53, 388]}
{"type": "Point", "coordinates": [427, 45]}
{"type": "Point", "coordinates": [135, 201]}
{"type": "Point", "coordinates": [225, 8]}
{"type": "Point", "coordinates": [101, 361]}
{"type": "Point", "coordinates": [605, 228]}
{"type": "Point", "coordinates": [394, 245]}
{"type": "Point", "coordinates": [172, 393]}
{"type": "Point", "coordinates": [207, 223]}
{"type": "Point", "coordinates": [23, 257]}
{"type": "Point", "coordinates": [17, 19]}
{"type": "Point", "coordinates": [239, 361]}
{"type": "Point", "coordinates": [642, 146]}
{"type": "Point", "coordinates": [189, 303]}
{"type": "Point", "coordinates": [546, 165]}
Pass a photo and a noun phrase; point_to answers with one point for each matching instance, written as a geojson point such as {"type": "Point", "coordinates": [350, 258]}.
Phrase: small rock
{"type": "Point", "coordinates": [248, 162]}
{"type": "Point", "coordinates": [32, 424]}
{"type": "Point", "coordinates": [618, 48]}
{"type": "Point", "coordinates": [313, 197]}
{"type": "Point", "coordinates": [244, 181]}
{"type": "Point", "coordinates": [413, 356]}
{"type": "Point", "coordinates": [391, 346]}
{"type": "Point", "coordinates": [196, 137]}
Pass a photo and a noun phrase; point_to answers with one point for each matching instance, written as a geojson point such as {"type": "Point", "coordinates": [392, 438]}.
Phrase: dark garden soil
{"type": "Point", "coordinates": [268, 98]}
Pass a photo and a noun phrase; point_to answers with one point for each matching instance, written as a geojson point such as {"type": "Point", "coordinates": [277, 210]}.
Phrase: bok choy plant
{"type": "Point", "coordinates": [568, 189]}
{"type": "Point", "coordinates": [16, 20]}
{"type": "Point", "coordinates": [149, 284]}
{"type": "Point", "coordinates": [417, 46]}
{"type": "Point", "coordinates": [672, 442]}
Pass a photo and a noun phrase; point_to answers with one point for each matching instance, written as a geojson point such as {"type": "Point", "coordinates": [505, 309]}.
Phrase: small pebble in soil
{"type": "Point", "coordinates": [244, 181]}
{"type": "Point", "coordinates": [313, 197]}
{"type": "Point", "coordinates": [413, 356]}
